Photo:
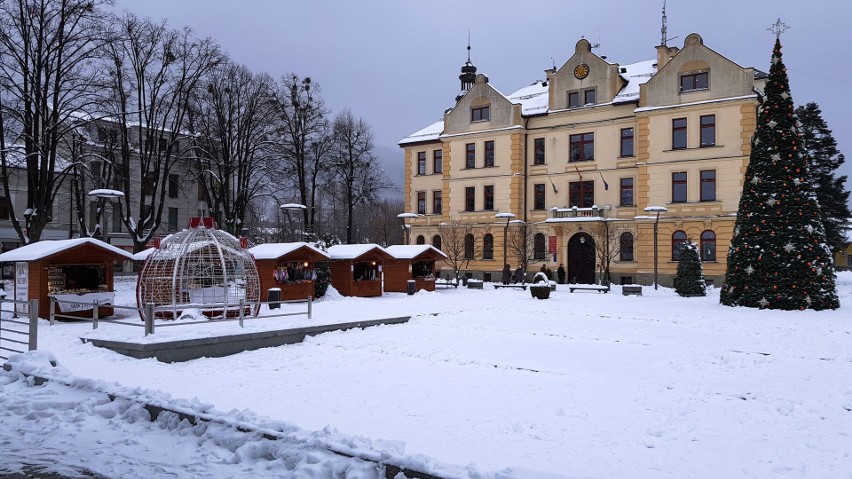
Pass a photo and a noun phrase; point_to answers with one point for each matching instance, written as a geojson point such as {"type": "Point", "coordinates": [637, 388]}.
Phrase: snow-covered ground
{"type": "Point", "coordinates": [480, 384]}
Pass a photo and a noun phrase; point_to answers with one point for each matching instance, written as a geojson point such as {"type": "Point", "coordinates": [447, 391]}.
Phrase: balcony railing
{"type": "Point", "coordinates": [575, 212]}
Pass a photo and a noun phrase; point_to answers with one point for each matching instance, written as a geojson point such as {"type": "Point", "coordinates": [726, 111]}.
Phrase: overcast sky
{"type": "Point", "coordinates": [396, 62]}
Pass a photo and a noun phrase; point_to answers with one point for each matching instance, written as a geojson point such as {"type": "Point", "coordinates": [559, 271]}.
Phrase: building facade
{"type": "Point", "coordinates": [578, 157]}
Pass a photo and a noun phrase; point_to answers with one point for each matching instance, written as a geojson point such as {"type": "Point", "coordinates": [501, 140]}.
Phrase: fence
{"type": "Point", "coordinates": [17, 335]}
{"type": "Point", "coordinates": [149, 312]}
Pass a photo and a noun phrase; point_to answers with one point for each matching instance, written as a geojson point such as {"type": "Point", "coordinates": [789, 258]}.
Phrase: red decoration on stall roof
{"type": "Point", "coordinates": [206, 222]}
{"type": "Point", "coordinates": [156, 242]}
{"type": "Point", "coordinates": [243, 242]}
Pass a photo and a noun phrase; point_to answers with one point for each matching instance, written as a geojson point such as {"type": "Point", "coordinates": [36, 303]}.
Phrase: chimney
{"type": "Point", "coordinates": [664, 54]}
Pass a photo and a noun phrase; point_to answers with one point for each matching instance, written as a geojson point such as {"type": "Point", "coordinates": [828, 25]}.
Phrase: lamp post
{"type": "Point", "coordinates": [107, 194]}
{"type": "Point", "coordinates": [508, 217]}
{"type": "Point", "coordinates": [405, 227]}
{"type": "Point", "coordinates": [293, 207]}
{"type": "Point", "coordinates": [658, 210]}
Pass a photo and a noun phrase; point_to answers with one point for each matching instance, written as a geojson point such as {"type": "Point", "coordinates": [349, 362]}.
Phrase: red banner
{"type": "Point", "coordinates": [551, 244]}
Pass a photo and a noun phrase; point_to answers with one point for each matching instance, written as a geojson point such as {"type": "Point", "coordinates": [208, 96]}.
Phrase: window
{"type": "Point", "coordinates": [488, 204]}
{"type": "Point", "coordinates": [174, 186]}
{"type": "Point", "coordinates": [708, 130]}
{"type": "Point", "coordinates": [436, 202]}
{"type": "Point", "coordinates": [627, 142]}
{"type": "Point", "coordinates": [421, 239]}
{"type": "Point", "coordinates": [5, 208]}
{"type": "Point", "coordinates": [589, 97]}
{"type": "Point", "coordinates": [173, 219]}
{"type": "Point", "coordinates": [481, 113]}
{"type": "Point", "coordinates": [470, 158]}
{"type": "Point", "coordinates": [574, 99]}
{"type": "Point", "coordinates": [679, 187]}
{"type": "Point", "coordinates": [581, 194]}
{"type": "Point", "coordinates": [421, 202]}
{"type": "Point", "coordinates": [164, 144]}
{"type": "Point", "coordinates": [437, 161]}
{"type": "Point", "coordinates": [436, 241]}
{"type": "Point", "coordinates": [626, 192]}
{"type": "Point", "coordinates": [582, 147]}
{"type": "Point", "coordinates": [708, 185]}
{"type": "Point", "coordinates": [150, 185]}
{"type": "Point", "coordinates": [468, 246]}
{"type": "Point", "coordinates": [93, 215]}
{"type": "Point", "coordinates": [538, 151]}
{"type": "Point", "coordinates": [708, 246]}
{"type": "Point", "coordinates": [678, 133]}
{"type": "Point", "coordinates": [538, 196]}
{"type": "Point", "coordinates": [421, 162]}
{"type": "Point", "coordinates": [539, 250]}
{"type": "Point", "coordinates": [107, 136]}
{"type": "Point", "coordinates": [488, 246]}
{"type": "Point", "coordinates": [678, 242]}
{"type": "Point", "coordinates": [116, 219]}
{"type": "Point", "coordinates": [470, 198]}
{"type": "Point", "coordinates": [625, 250]}
{"type": "Point", "coordinates": [95, 168]}
{"type": "Point", "coordinates": [201, 195]}
{"type": "Point", "coordinates": [489, 153]}
{"type": "Point", "coordinates": [694, 81]}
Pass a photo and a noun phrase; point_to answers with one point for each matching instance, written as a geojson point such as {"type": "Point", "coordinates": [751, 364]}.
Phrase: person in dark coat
{"type": "Point", "coordinates": [549, 274]}
{"type": "Point", "coordinates": [520, 277]}
{"type": "Point", "coordinates": [507, 273]}
{"type": "Point", "coordinates": [560, 274]}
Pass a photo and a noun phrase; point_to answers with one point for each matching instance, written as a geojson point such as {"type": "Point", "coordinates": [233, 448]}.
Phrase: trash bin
{"type": "Point", "coordinates": [274, 297]}
{"type": "Point", "coordinates": [412, 287]}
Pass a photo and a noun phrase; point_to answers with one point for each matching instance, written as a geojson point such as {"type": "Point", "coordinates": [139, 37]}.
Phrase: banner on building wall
{"type": "Point", "coordinates": [22, 286]}
{"type": "Point", "coordinates": [551, 245]}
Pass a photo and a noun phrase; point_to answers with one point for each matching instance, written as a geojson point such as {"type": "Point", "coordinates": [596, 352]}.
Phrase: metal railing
{"type": "Point", "coordinates": [18, 340]}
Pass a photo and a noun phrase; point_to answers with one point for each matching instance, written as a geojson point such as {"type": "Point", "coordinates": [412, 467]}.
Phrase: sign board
{"type": "Point", "coordinates": [22, 286]}
{"type": "Point", "coordinates": [551, 244]}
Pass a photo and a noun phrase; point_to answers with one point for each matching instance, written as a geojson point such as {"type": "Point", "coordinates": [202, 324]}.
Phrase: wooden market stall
{"type": "Point", "coordinates": [69, 270]}
{"type": "Point", "coordinates": [415, 262]}
{"type": "Point", "coordinates": [356, 269]}
{"type": "Point", "coordinates": [288, 266]}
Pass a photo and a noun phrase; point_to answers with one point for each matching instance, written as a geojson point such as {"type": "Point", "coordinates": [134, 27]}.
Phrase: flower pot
{"type": "Point", "coordinates": [540, 291]}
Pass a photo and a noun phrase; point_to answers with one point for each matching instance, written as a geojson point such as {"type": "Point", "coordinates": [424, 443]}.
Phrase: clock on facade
{"type": "Point", "coordinates": [581, 71]}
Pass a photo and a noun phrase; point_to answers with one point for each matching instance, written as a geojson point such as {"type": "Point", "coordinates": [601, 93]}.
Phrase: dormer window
{"type": "Point", "coordinates": [480, 113]}
{"type": "Point", "coordinates": [589, 97]}
{"type": "Point", "coordinates": [574, 99]}
{"type": "Point", "coordinates": [694, 81]}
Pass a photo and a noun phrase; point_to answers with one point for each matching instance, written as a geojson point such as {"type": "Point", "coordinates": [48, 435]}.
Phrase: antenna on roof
{"type": "Point", "coordinates": [665, 29]}
{"type": "Point", "coordinates": [554, 63]}
{"type": "Point", "coordinates": [468, 46]}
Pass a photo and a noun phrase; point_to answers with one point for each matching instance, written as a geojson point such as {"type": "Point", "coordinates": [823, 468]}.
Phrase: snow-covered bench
{"type": "Point", "coordinates": [589, 287]}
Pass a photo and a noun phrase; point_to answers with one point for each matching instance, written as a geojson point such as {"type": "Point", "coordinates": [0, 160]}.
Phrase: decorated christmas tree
{"type": "Point", "coordinates": [778, 257]}
{"type": "Point", "coordinates": [689, 280]}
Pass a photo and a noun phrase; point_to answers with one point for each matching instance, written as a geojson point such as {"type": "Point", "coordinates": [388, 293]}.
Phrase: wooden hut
{"type": "Point", "coordinates": [415, 262]}
{"type": "Point", "coordinates": [69, 270]}
{"type": "Point", "coordinates": [289, 266]}
{"type": "Point", "coordinates": [356, 269]}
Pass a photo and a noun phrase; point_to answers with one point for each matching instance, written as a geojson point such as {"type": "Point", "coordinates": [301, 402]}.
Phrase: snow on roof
{"type": "Point", "coordinates": [635, 74]}
{"type": "Point", "coordinates": [352, 251]}
{"type": "Point", "coordinates": [43, 249]}
{"type": "Point", "coordinates": [430, 133]}
{"type": "Point", "coordinates": [143, 255]}
{"type": "Point", "coordinates": [533, 98]}
{"type": "Point", "coordinates": [277, 250]}
{"type": "Point", "coordinates": [400, 251]}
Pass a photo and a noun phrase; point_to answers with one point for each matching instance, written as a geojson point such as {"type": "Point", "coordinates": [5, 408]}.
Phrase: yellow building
{"type": "Point", "coordinates": [579, 156]}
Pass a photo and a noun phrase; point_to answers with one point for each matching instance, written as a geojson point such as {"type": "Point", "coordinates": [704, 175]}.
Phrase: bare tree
{"type": "Point", "coordinates": [459, 242]}
{"type": "Point", "coordinates": [46, 78]}
{"type": "Point", "coordinates": [153, 71]}
{"type": "Point", "coordinates": [607, 233]}
{"type": "Point", "coordinates": [355, 166]}
{"type": "Point", "coordinates": [521, 242]}
{"type": "Point", "coordinates": [385, 228]}
{"type": "Point", "coordinates": [232, 120]}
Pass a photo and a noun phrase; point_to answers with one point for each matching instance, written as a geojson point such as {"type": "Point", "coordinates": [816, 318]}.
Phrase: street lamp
{"type": "Point", "coordinates": [106, 194]}
{"type": "Point", "coordinates": [508, 217]}
{"type": "Point", "coordinates": [658, 210]}
{"type": "Point", "coordinates": [292, 207]}
{"type": "Point", "coordinates": [407, 228]}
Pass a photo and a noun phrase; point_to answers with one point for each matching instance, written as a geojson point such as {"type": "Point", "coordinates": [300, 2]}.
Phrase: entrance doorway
{"type": "Point", "coordinates": [581, 259]}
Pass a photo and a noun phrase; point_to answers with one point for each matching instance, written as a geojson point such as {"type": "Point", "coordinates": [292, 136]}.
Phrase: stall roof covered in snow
{"type": "Point", "coordinates": [412, 251]}
{"type": "Point", "coordinates": [277, 250]}
{"type": "Point", "coordinates": [354, 251]}
{"type": "Point", "coordinates": [45, 248]}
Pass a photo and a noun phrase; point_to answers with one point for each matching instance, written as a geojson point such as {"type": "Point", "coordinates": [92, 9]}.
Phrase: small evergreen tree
{"type": "Point", "coordinates": [323, 271]}
{"type": "Point", "coordinates": [824, 159]}
{"type": "Point", "coordinates": [778, 257]}
{"type": "Point", "coordinates": [689, 280]}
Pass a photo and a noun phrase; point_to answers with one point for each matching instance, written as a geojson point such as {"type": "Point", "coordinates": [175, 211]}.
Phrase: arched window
{"type": "Point", "coordinates": [625, 251]}
{"type": "Point", "coordinates": [488, 246]}
{"type": "Point", "coordinates": [436, 241]}
{"type": "Point", "coordinates": [708, 246]}
{"type": "Point", "coordinates": [539, 250]}
{"type": "Point", "coordinates": [468, 246]}
{"type": "Point", "coordinates": [678, 242]}
{"type": "Point", "coordinates": [421, 239]}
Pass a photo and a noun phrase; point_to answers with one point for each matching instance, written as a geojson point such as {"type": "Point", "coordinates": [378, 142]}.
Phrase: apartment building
{"type": "Point", "coordinates": [579, 156]}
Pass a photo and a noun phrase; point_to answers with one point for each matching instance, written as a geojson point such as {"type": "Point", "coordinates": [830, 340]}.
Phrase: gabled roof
{"type": "Point", "coordinates": [277, 250]}
{"type": "Point", "coordinates": [414, 251]}
{"type": "Point", "coordinates": [430, 133]}
{"type": "Point", "coordinates": [46, 248]}
{"type": "Point", "coordinates": [355, 251]}
{"type": "Point", "coordinates": [635, 74]}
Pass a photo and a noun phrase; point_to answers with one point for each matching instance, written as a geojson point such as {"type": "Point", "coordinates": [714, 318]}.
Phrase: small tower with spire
{"type": "Point", "coordinates": [468, 73]}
